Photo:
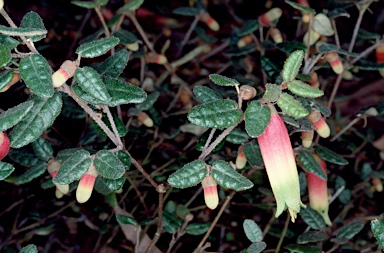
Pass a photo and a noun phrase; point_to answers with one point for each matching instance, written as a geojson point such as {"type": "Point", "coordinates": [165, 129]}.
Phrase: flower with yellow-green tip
{"type": "Point", "coordinates": [86, 183]}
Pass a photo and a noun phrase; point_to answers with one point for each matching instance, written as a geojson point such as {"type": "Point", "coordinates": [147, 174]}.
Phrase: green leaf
{"type": "Point", "coordinates": [291, 121]}
{"type": "Point", "coordinates": [311, 165]}
{"type": "Point", "coordinates": [303, 248]}
{"type": "Point", "coordinates": [124, 158]}
{"type": "Point", "coordinates": [9, 42]}
{"type": "Point", "coordinates": [37, 75]}
{"type": "Point", "coordinates": [132, 5]}
{"type": "Point", "coordinates": [345, 196]}
{"type": "Point", "coordinates": [101, 187]}
{"type": "Point", "coordinates": [5, 170]}
{"type": "Point", "coordinates": [312, 218]}
{"type": "Point", "coordinates": [86, 97]}
{"type": "Point", "coordinates": [64, 154]}
{"type": "Point", "coordinates": [114, 65]}
{"type": "Point", "coordinates": [14, 115]}
{"type": "Point", "coordinates": [5, 55]}
{"type": "Point", "coordinates": [236, 51]}
{"type": "Point", "coordinates": [42, 149]}
{"type": "Point", "coordinates": [338, 12]}
{"type": "Point", "coordinates": [40, 117]}
{"type": "Point", "coordinates": [122, 92]}
{"type": "Point", "coordinates": [252, 231]}
{"type": "Point", "coordinates": [327, 47]}
{"type": "Point", "coordinates": [85, 4]}
{"type": "Point", "coordinates": [223, 80]}
{"type": "Point", "coordinates": [125, 219]}
{"type": "Point", "coordinates": [270, 68]}
{"type": "Point", "coordinates": [330, 156]}
{"type": "Point", "coordinates": [187, 11]}
{"type": "Point", "coordinates": [225, 175]}
{"type": "Point", "coordinates": [33, 20]}
{"type": "Point", "coordinates": [272, 93]}
{"type": "Point", "coordinates": [322, 108]}
{"type": "Point", "coordinates": [113, 184]}
{"type": "Point", "coordinates": [73, 168]}
{"type": "Point", "coordinates": [257, 117]}
{"type": "Point", "coordinates": [368, 65]}
{"type": "Point", "coordinates": [108, 165]}
{"type": "Point", "coordinates": [148, 103]}
{"type": "Point", "coordinates": [364, 34]}
{"type": "Point", "coordinates": [31, 248]}
{"type": "Point", "coordinates": [24, 156]}
{"type": "Point", "coordinates": [291, 107]}
{"type": "Point", "coordinates": [197, 228]}
{"type": "Point", "coordinates": [305, 90]}
{"type": "Point", "coordinates": [90, 82]}
{"type": "Point", "coordinates": [125, 36]}
{"type": "Point", "coordinates": [321, 24]}
{"type": "Point", "coordinates": [253, 154]}
{"type": "Point", "coordinates": [377, 227]}
{"type": "Point", "coordinates": [170, 222]}
{"type": "Point", "coordinates": [312, 236]}
{"type": "Point", "coordinates": [351, 229]}
{"type": "Point", "coordinates": [237, 136]}
{"type": "Point", "coordinates": [97, 48]}
{"type": "Point", "coordinates": [256, 247]}
{"type": "Point", "coordinates": [291, 46]}
{"type": "Point", "coordinates": [217, 114]}
{"type": "Point", "coordinates": [34, 172]}
{"type": "Point", "coordinates": [21, 31]}
{"type": "Point", "coordinates": [206, 38]}
{"type": "Point", "coordinates": [205, 94]}
{"type": "Point", "coordinates": [292, 65]}
{"type": "Point", "coordinates": [300, 7]}
{"type": "Point", "coordinates": [249, 27]}
{"type": "Point", "coordinates": [5, 78]}
{"type": "Point", "coordinates": [189, 175]}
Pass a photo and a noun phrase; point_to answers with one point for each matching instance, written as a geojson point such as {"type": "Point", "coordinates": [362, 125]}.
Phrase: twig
{"type": "Point", "coordinates": [180, 232]}
{"type": "Point", "coordinates": [365, 52]}
{"type": "Point", "coordinates": [106, 29]}
{"type": "Point", "coordinates": [136, 23]}
{"type": "Point", "coordinates": [189, 32]}
{"type": "Point", "coordinates": [225, 204]}
{"type": "Point", "coordinates": [356, 30]}
{"type": "Point", "coordinates": [283, 234]}
{"type": "Point", "coordinates": [336, 33]}
{"type": "Point", "coordinates": [334, 91]}
{"type": "Point", "coordinates": [214, 51]}
{"type": "Point", "coordinates": [114, 128]}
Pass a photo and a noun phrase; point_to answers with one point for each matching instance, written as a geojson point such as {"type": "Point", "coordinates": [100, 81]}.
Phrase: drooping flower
{"type": "Point", "coordinates": [318, 191]}
{"type": "Point", "coordinates": [86, 183]}
{"type": "Point", "coordinates": [53, 168]}
{"type": "Point", "coordinates": [277, 153]}
{"type": "Point", "coordinates": [211, 196]}
{"type": "Point", "coordinates": [319, 124]}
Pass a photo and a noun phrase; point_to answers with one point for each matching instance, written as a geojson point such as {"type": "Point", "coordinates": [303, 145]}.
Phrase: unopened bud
{"type": "Point", "coordinates": [380, 53]}
{"type": "Point", "coordinates": [379, 143]}
{"type": "Point", "coordinates": [319, 124]}
{"type": "Point", "coordinates": [58, 194]}
{"type": "Point", "coordinates": [211, 196]}
{"type": "Point", "coordinates": [314, 80]}
{"type": "Point", "coordinates": [85, 186]}
{"type": "Point", "coordinates": [334, 60]}
{"type": "Point", "coordinates": [270, 16]}
{"type": "Point", "coordinates": [377, 184]}
{"type": "Point", "coordinates": [1, 4]}
{"type": "Point", "coordinates": [133, 46]}
{"type": "Point", "coordinates": [306, 139]}
{"type": "Point", "coordinates": [145, 119]}
{"type": "Point", "coordinates": [245, 40]}
{"type": "Point", "coordinates": [66, 71]}
{"type": "Point", "coordinates": [303, 3]}
{"type": "Point", "coordinates": [4, 145]}
{"type": "Point", "coordinates": [156, 58]}
{"type": "Point", "coordinates": [276, 35]}
{"type": "Point", "coordinates": [209, 21]}
{"type": "Point", "coordinates": [313, 37]}
{"type": "Point", "coordinates": [53, 168]}
{"type": "Point", "coordinates": [248, 65]}
{"type": "Point", "coordinates": [185, 99]}
{"type": "Point", "coordinates": [241, 159]}
{"type": "Point", "coordinates": [248, 92]}
{"type": "Point", "coordinates": [15, 79]}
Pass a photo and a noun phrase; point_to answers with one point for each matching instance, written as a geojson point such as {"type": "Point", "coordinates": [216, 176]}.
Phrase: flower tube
{"type": "Point", "coordinates": [318, 192]}
{"type": "Point", "coordinates": [86, 183]}
{"type": "Point", "coordinates": [277, 153]}
{"type": "Point", "coordinates": [211, 196]}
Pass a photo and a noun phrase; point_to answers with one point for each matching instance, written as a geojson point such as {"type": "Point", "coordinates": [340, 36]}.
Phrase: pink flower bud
{"type": "Point", "coordinates": [319, 124]}
{"type": "Point", "coordinates": [241, 159]}
{"type": "Point", "coordinates": [66, 71]}
{"type": "Point", "coordinates": [314, 80]}
{"type": "Point", "coordinates": [277, 153]}
{"type": "Point", "coordinates": [85, 186]}
{"type": "Point", "coordinates": [4, 145]}
{"type": "Point", "coordinates": [156, 58]}
{"type": "Point", "coordinates": [145, 119]}
{"type": "Point", "coordinates": [267, 18]}
{"type": "Point", "coordinates": [380, 54]}
{"type": "Point", "coordinates": [334, 60]}
{"type": "Point", "coordinates": [276, 35]}
{"type": "Point", "coordinates": [211, 196]}
{"type": "Point", "coordinates": [245, 40]}
{"type": "Point", "coordinates": [306, 138]}
{"type": "Point", "coordinates": [318, 192]}
{"type": "Point", "coordinates": [209, 21]}
{"type": "Point", "coordinates": [15, 79]}
{"type": "Point", "coordinates": [53, 168]}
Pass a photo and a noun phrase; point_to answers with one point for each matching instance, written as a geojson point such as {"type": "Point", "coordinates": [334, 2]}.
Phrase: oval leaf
{"type": "Point", "coordinates": [351, 229]}
{"type": "Point", "coordinates": [5, 55]}
{"type": "Point", "coordinates": [122, 92]}
{"type": "Point", "coordinates": [291, 107]}
{"type": "Point", "coordinates": [205, 94]}
{"type": "Point", "coordinates": [291, 46]}
{"type": "Point", "coordinates": [24, 156]}
{"type": "Point", "coordinates": [186, 11]}
{"type": "Point", "coordinates": [33, 20]}
{"type": "Point", "coordinates": [249, 27]}
{"type": "Point", "coordinates": [305, 90]}
{"type": "Point", "coordinates": [42, 149]}
{"type": "Point", "coordinates": [21, 31]}
{"type": "Point", "coordinates": [303, 248]}
{"type": "Point", "coordinates": [257, 117]}
{"type": "Point", "coordinates": [124, 158]}
{"type": "Point", "coordinates": [292, 65]}
{"type": "Point", "coordinates": [311, 236]}
{"type": "Point", "coordinates": [90, 82]}
{"type": "Point", "coordinates": [272, 93]}
{"type": "Point", "coordinates": [256, 247]}
{"type": "Point", "coordinates": [36, 74]}
{"type": "Point", "coordinates": [124, 220]}
{"type": "Point", "coordinates": [252, 231]}
{"type": "Point", "coordinates": [5, 78]}
{"type": "Point", "coordinates": [5, 170]}
{"type": "Point", "coordinates": [86, 97]}
{"type": "Point", "coordinates": [113, 184]}
{"type": "Point", "coordinates": [114, 65]}
{"type": "Point", "coordinates": [223, 80]}
{"type": "Point", "coordinates": [85, 4]}
{"type": "Point", "coordinates": [132, 5]}
{"type": "Point", "coordinates": [253, 154]}
{"type": "Point", "coordinates": [108, 165]}
{"type": "Point", "coordinates": [189, 175]}
{"type": "Point", "coordinates": [330, 156]}
{"type": "Point", "coordinates": [311, 165]}
{"type": "Point", "coordinates": [125, 36]}
{"type": "Point", "coordinates": [148, 103]}
{"type": "Point", "coordinates": [97, 48]}
{"type": "Point", "coordinates": [73, 168]}
{"type": "Point", "coordinates": [14, 115]}
{"type": "Point", "coordinates": [312, 218]}
{"type": "Point", "coordinates": [300, 7]}
{"type": "Point", "coordinates": [377, 227]}
{"type": "Point", "coordinates": [237, 136]}
{"type": "Point", "coordinates": [41, 116]}
{"type": "Point", "coordinates": [225, 175]}
{"type": "Point", "coordinates": [217, 114]}
{"type": "Point", "coordinates": [197, 228]}
{"type": "Point", "coordinates": [29, 249]}
{"type": "Point", "coordinates": [322, 25]}
{"type": "Point", "coordinates": [34, 172]}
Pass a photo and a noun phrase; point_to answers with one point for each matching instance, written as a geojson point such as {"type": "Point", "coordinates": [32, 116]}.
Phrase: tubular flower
{"type": "Point", "coordinates": [241, 159]}
{"type": "Point", "coordinates": [319, 124]}
{"type": "Point", "coordinates": [277, 153]}
{"type": "Point", "coordinates": [318, 192]}
{"type": "Point", "coordinates": [86, 183]}
{"type": "Point", "coordinates": [211, 196]}
{"type": "Point", "coordinates": [53, 168]}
